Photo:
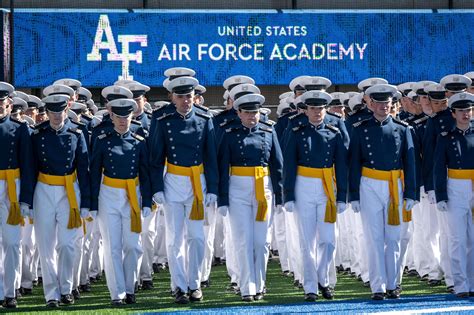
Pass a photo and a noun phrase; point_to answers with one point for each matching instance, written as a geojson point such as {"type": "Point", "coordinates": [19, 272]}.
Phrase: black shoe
{"type": "Point", "coordinates": [247, 298]}
{"type": "Point", "coordinates": [471, 294]}
{"type": "Point", "coordinates": [52, 303]}
{"type": "Point", "coordinates": [76, 294]}
{"type": "Point", "coordinates": [147, 285]}
{"type": "Point", "coordinates": [85, 287]}
{"type": "Point", "coordinates": [206, 284]}
{"type": "Point", "coordinates": [359, 278]}
{"type": "Point", "coordinates": [217, 261]}
{"type": "Point", "coordinates": [40, 280]}
{"type": "Point", "coordinates": [117, 303]}
{"type": "Point", "coordinates": [462, 295]}
{"type": "Point", "coordinates": [434, 282]}
{"type": "Point", "coordinates": [339, 269]}
{"type": "Point", "coordinates": [367, 284]}
{"type": "Point", "coordinates": [413, 273]}
{"type": "Point", "coordinates": [232, 286]}
{"type": "Point", "coordinates": [137, 287]}
{"type": "Point", "coordinates": [347, 270]}
{"type": "Point", "coordinates": [378, 296]}
{"type": "Point", "coordinates": [98, 277]}
{"type": "Point", "coordinates": [18, 293]}
{"type": "Point", "coordinates": [35, 283]}
{"type": "Point", "coordinates": [237, 291]}
{"type": "Point", "coordinates": [195, 295]}
{"type": "Point", "coordinates": [67, 299]}
{"type": "Point", "coordinates": [326, 292]}
{"type": "Point", "coordinates": [130, 299]}
{"type": "Point", "coordinates": [94, 280]}
{"type": "Point", "coordinates": [425, 278]}
{"type": "Point", "coordinates": [450, 289]}
{"type": "Point", "coordinates": [9, 303]}
{"type": "Point", "coordinates": [310, 297]}
{"type": "Point", "coordinates": [393, 294]}
{"type": "Point", "coordinates": [296, 283]}
{"type": "Point", "coordinates": [155, 268]}
{"type": "Point", "coordinates": [259, 296]}
{"type": "Point", "coordinates": [286, 273]}
{"type": "Point", "coordinates": [26, 291]}
{"type": "Point", "coordinates": [180, 297]}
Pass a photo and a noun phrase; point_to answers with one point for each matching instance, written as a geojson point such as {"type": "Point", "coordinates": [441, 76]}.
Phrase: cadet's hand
{"type": "Point", "coordinates": [279, 209]}
{"type": "Point", "coordinates": [289, 206]}
{"type": "Point", "coordinates": [223, 210]}
{"type": "Point", "coordinates": [84, 213]}
{"type": "Point", "coordinates": [159, 198]}
{"type": "Point", "coordinates": [355, 206]}
{"type": "Point", "coordinates": [146, 211]}
{"type": "Point", "coordinates": [341, 207]}
{"type": "Point", "coordinates": [210, 200]}
{"type": "Point", "coordinates": [93, 214]}
{"type": "Point", "coordinates": [442, 206]}
{"type": "Point", "coordinates": [409, 203]}
{"type": "Point", "coordinates": [25, 210]}
{"type": "Point", "coordinates": [431, 197]}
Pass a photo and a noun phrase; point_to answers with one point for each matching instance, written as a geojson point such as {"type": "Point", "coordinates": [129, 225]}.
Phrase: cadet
{"type": "Point", "coordinates": [375, 187]}
{"type": "Point", "coordinates": [121, 195]}
{"type": "Point", "coordinates": [251, 155]}
{"type": "Point", "coordinates": [184, 139]}
{"type": "Point", "coordinates": [313, 149]}
{"type": "Point", "coordinates": [16, 192]}
{"type": "Point", "coordinates": [139, 90]}
{"type": "Point", "coordinates": [454, 186]}
{"type": "Point", "coordinates": [61, 161]}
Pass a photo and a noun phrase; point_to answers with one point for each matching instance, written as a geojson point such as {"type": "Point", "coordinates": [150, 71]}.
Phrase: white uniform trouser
{"type": "Point", "coordinates": [209, 232]}
{"type": "Point", "coordinates": [406, 235]}
{"type": "Point", "coordinates": [294, 252]}
{"type": "Point", "coordinates": [461, 233]}
{"type": "Point", "coordinates": [87, 252]}
{"type": "Point", "coordinates": [97, 252]}
{"type": "Point", "coordinates": [11, 243]}
{"type": "Point", "coordinates": [56, 243]}
{"type": "Point", "coordinates": [251, 238]}
{"type": "Point", "coordinates": [184, 237]}
{"type": "Point", "coordinates": [219, 249]}
{"type": "Point", "coordinates": [280, 239]}
{"type": "Point", "coordinates": [148, 243]}
{"type": "Point", "coordinates": [79, 251]}
{"type": "Point", "coordinates": [232, 259]}
{"type": "Point", "coordinates": [317, 238]}
{"type": "Point", "coordinates": [28, 252]}
{"type": "Point", "coordinates": [444, 247]}
{"type": "Point", "coordinates": [383, 240]}
{"type": "Point", "coordinates": [122, 247]}
{"type": "Point", "coordinates": [361, 250]}
{"type": "Point", "coordinates": [160, 256]}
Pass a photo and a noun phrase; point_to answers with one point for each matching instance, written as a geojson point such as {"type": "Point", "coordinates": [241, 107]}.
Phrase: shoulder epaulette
{"type": "Point", "coordinates": [266, 129]}
{"type": "Point", "coordinates": [433, 115]}
{"type": "Point", "coordinates": [78, 123]}
{"type": "Point", "coordinates": [357, 124]}
{"type": "Point", "coordinates": [138, 137]}
{"type": "Point", "coordinates": [269, 122]}
{"type": "Point", "coordinates": [102, 136]}
{"type": "Point", "coordinates": [148, 112]}
{"type": "Point", "coordinates": [225, 123]}
{"type": "Point", "coordinates": [352, 112]}
{"type": "Point", "coordinates": [165, 115]}
{"type": "Point", "coordinates": [400, 122]}
{"type": "Point", "coordinates": [203, 115]}
{"type": "Point", "coordinates": [17, 121]}
{"type": "Point", "coordinates": [231, 129]}
{"type": "Point", "coordinates": [201, 107]}
{"type": "Point", "coordinates": [444, 133]}
{"type": "Point", "coordinates": [335, 114]}
{"type": "Point", "coordinates": [294, 116]}
{"type": "Point", "coordinates": [332, 128]}
{"type": "Point", "coordinates": [76, 131]}
{"type": "Point", "coordinates": [136, 122]}
{"type": "Point", "coordinates": [422, 119]}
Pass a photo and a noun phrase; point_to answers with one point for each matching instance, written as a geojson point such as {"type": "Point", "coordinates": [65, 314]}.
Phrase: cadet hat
{"type": "Point", "coordinates": [28, 120]}
{"type": "Point", "coordinates": [235, 80]}
{"type": "Point", "coordinates": [336, 99]}
{"type": "Point", "coordinates": [91, 105]}
{"type": "Point", "coordinates": [96, 120]}
{"type": "Point", "coordinates": [72, 115]}
{"type": "Point", "coordinates": [316, 98]}
{"type": "Point", "coordinates": [412, 95]}
{"type": "Point", "coordinates": [56, 103]}
{"type": "Point", "coordinates": [355, 101]}
{"type": "Point", "coordinates": [77, 107]}
{"type": "Point", "coordinates": [456, 82]}
{"type": "Point", "coordinates": [398, 96]}
{"type": "Point", "coordinates": [365, 84]}
{"type": "Point", "coordinates": [243, 89]}
{"type": "Point", "coordinates": [124, 82]}
{"type": "Point", "coordinates": [123, 107]}
{"type": "Point", "coordinates": [298, 101]}
{"type": "Point", "coordinates": [183, 85]}
{"type": "Point", "coordinates": [115, 92]}
{"type": "Point", "coordinates": [58, 89]}
{"type": "Point", "coordinates": [406, 87]}
{"type": "Point", "coordinates": [226, 95]}
{"type": "Point", "coordinates": [83, 95]}
{"type": "Point", "coordinates": [346, 97]}
{"type": "Point", "coordinates": [419, 87]}
{"type": "Point", "coordinates": [249, 102]}
{"type": "Point", "coordinates": [461, 100]}
{"type": "Point", "coordinates": [6, 90]}
{"type": "Point", "coordinates": [21, 95]}
{"type": "Point", "coordinates": [159, 104]}
{"type": "Point", "coordinates": [137, 89]}
{"type": "Point", "coordinates": [34, 101]}
{"type": "Point", "coordinates": [297, 83]}
{"type": "Point", "coordinates": [470, 75]}
{"type": "Point", "coordinates": [285, 95]}
{"type": "Point", "coordinates": [381, 92]}
{"type": "Point", "coordinates": [18, 105]}
{"type": "Point", "coordinates": [200, 90]}
{"type": "Point", "coordinates": [282, 108]}
{"type": "Point", "coordinates": [436, 91]}
{"type": "Point", "coordinates": [177, 72]}
{"type": "Point", "coordinates": [165, 83]}
{"type": "Point", "coordinates": [291, 101]}
{"type": "Point", "coordinates": [316, 83]}
{"type": "Point", "coordinates": [72, 83]}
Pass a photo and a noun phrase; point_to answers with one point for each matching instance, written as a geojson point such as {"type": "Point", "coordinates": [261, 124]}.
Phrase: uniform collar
{"type": "Point", "coordinates": [187, 116]}
{"type": "Point", "coordinates": [4, 118]}
{"type": "Point", "coordinates": [122, 136]}
{"type": "Point", "coordinates": [253, 129]}
{"type": "Point", "coordinates": [381, 123]}
{"type": "Point", "coordinates": [62, 129]}
{"type": "Point", "coordinates": [318, 127]}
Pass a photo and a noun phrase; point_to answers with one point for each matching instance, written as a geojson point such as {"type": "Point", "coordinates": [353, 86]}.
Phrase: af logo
{"type": "Point", "coordinates": [104, 28]}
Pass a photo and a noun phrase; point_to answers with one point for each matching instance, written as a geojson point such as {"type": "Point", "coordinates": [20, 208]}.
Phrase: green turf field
{"type": "Point", "coordinates": [280, 290]}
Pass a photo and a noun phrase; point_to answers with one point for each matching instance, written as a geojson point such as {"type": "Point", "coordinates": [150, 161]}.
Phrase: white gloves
{"type": "Point", "coordinates": [432, 197]}
{"type": "Point", "coordinates": [210, 200]}
{"type": "Point", "coordinates": [146, 211]}
{"type": "Point", "coordinates": [289, 206]}
{"type": "Point", "coordinates": [442, 206]}
{"type": "Point", "coordinates": [279, 209]}
{"type": "Point", "coordinates": [409, 203]}
{"type": "Point", "coordinates": [223, 210]}
{"type": "Point", "coordinates": [341, 207]}
{"type": "Point", "coordinates": [25, 210]}
{"type": "Point", "coordinates": [93, 214]}
{"type": "Point", "coordinates": [159, 198]}
{"type": "Point", "coordinates": [355, 206]}
{"type": "Point", "coordinates": [84, 213]}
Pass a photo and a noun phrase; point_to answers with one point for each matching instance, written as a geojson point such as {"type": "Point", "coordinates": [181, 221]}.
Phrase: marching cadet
{"type": "Point", "coordinates": [470, 88]}
{"type": "Point", "coordinates": [16, 192]}
{"type": "Point", "coordinates": [313, 149]}
{"type": "Point", "coordinates": [121, 193]}
{"type": "Point", "coordinates": [199, 98]}
{"type": "Point", "coordinates": [139, 90]}
{"type": "Point", "coordinates": [62, 198]}
{"type": "Point", "coordinates": [375, 187]}
{"type": "Point", "coordinates": [34, 105]}
{"type": "Point", "coordinates": [250, 166]}
{"type": "Point", "coordinates": [184, 140]}
{"type": "Point", "coordinates": [454, 187]}
{"type": "Point", "coordinates": [18, 107]}
{"type": "Point", "coordinates": [73, 84]}
{"type": "Point", "coordinates": [334, 116]}
{"type": "Point", "coordinates": [84, 96]}
{"type": "Point", "coordinates": [455, 83]}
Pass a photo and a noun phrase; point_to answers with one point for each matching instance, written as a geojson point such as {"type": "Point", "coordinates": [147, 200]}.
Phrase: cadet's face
{"type": "Point", "coordinates": [121, 124]}
{"type": "Point", "coordinates": [463, 116]}
{"type": "Point", "coordinates": [141, 103]}
{"type": "Point", "coordinates": [381, 109]}
{"type": "Point", "coordinates": [5, 107]}
{"type": "Point", "coordinates": [184, 103]}
{"type": "Point", "coordinates": [315, 114]}
{"type": "Point", "coordinates": [439, 105]}
{"type": "Point", "coordinates": [336, 109]}
{"type": "Point", "coordinates": [56, 119]}
{"type": "Point", "coordinates": [41, 117]}
{"type": "Point", "coordinates": [198, 99]}
{"type": "Point", "coordinates": [470, 89]}
{"type": "Point", "coordinates": [249, 118]}
{"type": "Point", "coordinates": [31, 112]}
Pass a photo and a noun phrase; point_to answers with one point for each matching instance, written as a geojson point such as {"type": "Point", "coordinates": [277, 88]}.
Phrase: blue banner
{"type": "Point", "coordinates": [100, 47]}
